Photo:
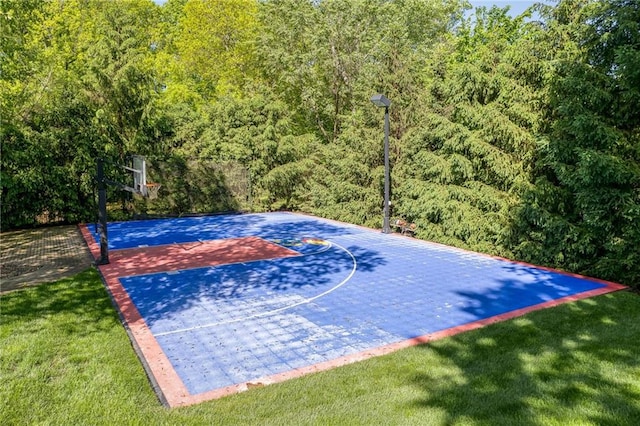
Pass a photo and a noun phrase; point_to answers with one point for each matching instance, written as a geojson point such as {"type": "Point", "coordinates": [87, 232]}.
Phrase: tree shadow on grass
{"type": "Point", "coordinates": [555, 365]}
{"type": "Point", "coordinates": [83, 297]}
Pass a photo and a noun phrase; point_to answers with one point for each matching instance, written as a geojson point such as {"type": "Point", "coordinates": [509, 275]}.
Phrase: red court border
{"type": "Point", "coordinates": [172, 391]}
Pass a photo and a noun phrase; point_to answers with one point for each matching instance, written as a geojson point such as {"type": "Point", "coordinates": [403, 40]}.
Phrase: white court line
{"type": "Point", "coordinates": [275, 311]}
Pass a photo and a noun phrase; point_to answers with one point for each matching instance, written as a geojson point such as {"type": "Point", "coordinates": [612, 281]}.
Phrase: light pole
{"type": "Point", "coordinates": [382, 101]}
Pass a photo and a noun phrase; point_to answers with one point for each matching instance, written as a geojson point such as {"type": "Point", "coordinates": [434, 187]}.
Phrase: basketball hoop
{"type": "Point", "coordinates": [151, 190]}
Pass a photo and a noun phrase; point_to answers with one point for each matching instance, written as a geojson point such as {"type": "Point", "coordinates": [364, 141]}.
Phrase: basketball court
{"type": "Point", "coordinates": [217, 304]}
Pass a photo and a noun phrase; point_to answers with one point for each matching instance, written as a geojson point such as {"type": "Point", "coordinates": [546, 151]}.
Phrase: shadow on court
{"type": "Point", "coordinates": [269, 283]}
{"type": "Point", "coordinates": [521, 286]}
{"type": "Point", "coordinates": [127, 235]}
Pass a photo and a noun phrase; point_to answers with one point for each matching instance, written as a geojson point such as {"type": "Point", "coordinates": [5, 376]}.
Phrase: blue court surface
{"type": "Point", "coordinates": [349, 290]}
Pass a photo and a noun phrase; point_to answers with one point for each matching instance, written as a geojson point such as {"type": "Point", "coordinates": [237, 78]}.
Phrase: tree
{"type": "Point", "coordinates": [85, 92]}
{"type": "Point", "coordinates": [216, 44]}
{"type": "Point", "coordinates": [464, 168]}
{"type": "Point", "coordinates": [325, 60]}
{"type": "Point", "coordinates": [257, 133]}
{"type": "Point", "coordinates": [25, 160]}
{"type": "Point", "coordinates": [585, 209]}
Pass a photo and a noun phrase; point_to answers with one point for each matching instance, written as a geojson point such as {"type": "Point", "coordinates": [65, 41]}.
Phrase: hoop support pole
{"type": "Point", "coordinates": [102, 214]}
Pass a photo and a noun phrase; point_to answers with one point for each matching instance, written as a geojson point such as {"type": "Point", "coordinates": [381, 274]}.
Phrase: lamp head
{"type": "Point", "coordinates": [380, 101]}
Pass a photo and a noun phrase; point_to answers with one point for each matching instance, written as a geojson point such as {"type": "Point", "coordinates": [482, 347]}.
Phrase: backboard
{"type": "Point", "coordinates": [139, 175]}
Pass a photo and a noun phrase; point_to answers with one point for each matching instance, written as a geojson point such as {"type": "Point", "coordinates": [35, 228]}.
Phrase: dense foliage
{"type": "Point", "coordinates": [513, 136]}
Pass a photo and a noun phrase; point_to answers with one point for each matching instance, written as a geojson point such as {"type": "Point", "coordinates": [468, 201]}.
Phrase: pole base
{"type": "Point", "coordinates": [102, 261]}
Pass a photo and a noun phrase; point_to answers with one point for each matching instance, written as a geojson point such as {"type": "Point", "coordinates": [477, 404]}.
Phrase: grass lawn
{"type": "Point", "coordinates": [66, 359]}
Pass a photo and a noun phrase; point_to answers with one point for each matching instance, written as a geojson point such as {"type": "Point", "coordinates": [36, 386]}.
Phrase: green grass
{"type": "Point", "coordinates": [66, 359]}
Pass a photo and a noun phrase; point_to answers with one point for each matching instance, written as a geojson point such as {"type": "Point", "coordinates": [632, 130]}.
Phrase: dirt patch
{"type": "Point", "coordinates": [9, 270]}
{"type": "Point", "coordinates": [36, 256]}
